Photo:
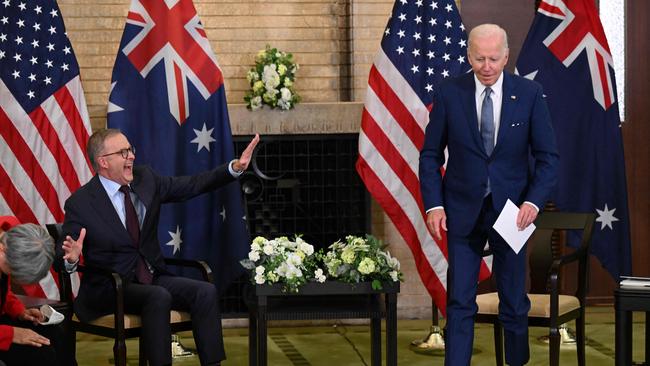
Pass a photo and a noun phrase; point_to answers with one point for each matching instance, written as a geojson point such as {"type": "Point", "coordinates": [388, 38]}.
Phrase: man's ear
{"type": "Point", "coordinates": [101, 162]}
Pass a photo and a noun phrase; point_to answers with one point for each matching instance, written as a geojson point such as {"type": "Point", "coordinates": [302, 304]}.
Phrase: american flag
{"type": "Point", "coordinates": [44, 122]}
{"type": "Point", "coordinates": [423, 43]}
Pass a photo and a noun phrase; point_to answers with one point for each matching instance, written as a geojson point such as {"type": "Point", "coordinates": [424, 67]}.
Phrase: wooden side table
{"type": "Point", "coordinates": [626, 301]}
{"type": "Point", "coordinates": [329, 300]}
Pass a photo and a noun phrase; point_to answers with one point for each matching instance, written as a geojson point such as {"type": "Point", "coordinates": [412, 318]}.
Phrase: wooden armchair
{"type": "Point", "coordinates": [549, 308]}
{"type": "Point", "coordinates": [119, 325]}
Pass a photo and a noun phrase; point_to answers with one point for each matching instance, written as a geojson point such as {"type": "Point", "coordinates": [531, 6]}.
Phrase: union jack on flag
{"type": "Point", "coordinates": [167, 97]}
{"type": "Point", "coordinates": [44, 124]}
{"type": "Point", "coordinates": [423, 43]}
{"type": "Point", "coordinates": [566, 51]}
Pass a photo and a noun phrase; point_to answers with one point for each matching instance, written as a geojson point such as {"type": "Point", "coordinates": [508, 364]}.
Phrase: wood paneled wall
{"type": "Point", "coordinates": [636, 131]}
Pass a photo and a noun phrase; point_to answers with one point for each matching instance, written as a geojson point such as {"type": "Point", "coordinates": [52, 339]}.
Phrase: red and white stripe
{"type": "Point", "coordinates": [42, 158]}
{"type": "Point", "coordinates": [392, 133]}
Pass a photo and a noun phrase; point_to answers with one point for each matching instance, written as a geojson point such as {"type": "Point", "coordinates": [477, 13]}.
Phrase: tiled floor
{"type": "Point", "coordinates": [344, 345]}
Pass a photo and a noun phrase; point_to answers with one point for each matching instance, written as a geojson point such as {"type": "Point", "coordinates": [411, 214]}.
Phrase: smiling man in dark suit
{"type": "Point", "coordinates": [116, 214]}
{"type": "Point", "coordinates": [493, 125]}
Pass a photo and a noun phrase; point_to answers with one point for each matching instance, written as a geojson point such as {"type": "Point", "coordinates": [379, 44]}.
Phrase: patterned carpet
{"type": "Point", "coordinates": [344, 345]}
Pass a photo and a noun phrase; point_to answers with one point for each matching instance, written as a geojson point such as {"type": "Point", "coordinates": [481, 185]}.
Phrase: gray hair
{"type": "Point", "coordinates": [95, 145]}
{"type": "Point", "coordinates": [488, 30]}
{"type": "Point", "coordinates": [29, 252]}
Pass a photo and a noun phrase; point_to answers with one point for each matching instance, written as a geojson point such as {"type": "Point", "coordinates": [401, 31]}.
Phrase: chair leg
{"type": "Point", "coordinates": [554, 346]}
{"type": "Point", "coordinates": [119, 351]}
{"type": "Point", "coordinates": [142, 356]}
{"type": "Point", "coordinates": [580, 338]}
{"type": "Point", "coordinates": [498, 343]}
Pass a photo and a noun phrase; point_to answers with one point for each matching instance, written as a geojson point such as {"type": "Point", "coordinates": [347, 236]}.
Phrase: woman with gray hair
{"type": "Point", "coordinates": [26, 254]}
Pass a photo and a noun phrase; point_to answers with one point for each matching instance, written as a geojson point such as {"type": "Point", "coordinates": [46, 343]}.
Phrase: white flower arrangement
{"type": "Point", "coordinates": [362, 259]}
{"type": "Point", "coordinates": [280, 260]}
{"type": "Point", "coordinates": [294, 263]}
{"type": "Point", "coordinates": [272, 80]}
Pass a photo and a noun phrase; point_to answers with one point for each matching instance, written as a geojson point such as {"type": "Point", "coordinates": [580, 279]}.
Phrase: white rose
{"type": "Point", "coordinates": [320, 277]}
{"type": "Point", "coordinates": [294, 259]}
{"type": "Point", "coordinates": [284, 104]}
{"type": "Point", "coordinates": [256, 103]}
{"type": "Point", "coordinates": [270, 77]}
{"type": "Point", "coordinates": [259, 279]}
{"type": "Point", "coordinates": [306, 247]}
{"type": "Point", "coordinates": [259, 270]}
{"type": "Point", "coordinates": [282, 270]}
{"type": "Point", "coordinates": [268, 249]}
{"type": "Point", "coordinates": [286, 94]}
{"type": "Point", "coordinates": [254, 255]}
{"type": "Point", "coordinates": [393, 275]}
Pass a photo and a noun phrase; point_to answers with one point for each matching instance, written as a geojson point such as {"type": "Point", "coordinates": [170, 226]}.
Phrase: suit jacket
{"type": "Point", "coordinates": [522, 166]}
{"type": "Point", "coordinates": [108, 244]}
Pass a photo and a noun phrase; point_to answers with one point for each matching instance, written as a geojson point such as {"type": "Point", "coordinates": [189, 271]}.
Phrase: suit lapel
{"type": "Point", "coordinates": [508, 105]}
{"type": "Point", "coordinates": [468, 91]}
{"type": "Point", "coordinates": [105, 209]}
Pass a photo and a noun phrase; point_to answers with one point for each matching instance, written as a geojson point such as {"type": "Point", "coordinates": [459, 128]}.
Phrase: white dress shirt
{"type": "Point", "coordinates": [496, 96]}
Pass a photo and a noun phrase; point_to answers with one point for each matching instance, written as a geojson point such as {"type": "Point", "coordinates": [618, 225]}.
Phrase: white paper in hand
{"type": "Point", "coordinates": [51, 316]}
{"type": "Point", "coordinates": [506, 226]}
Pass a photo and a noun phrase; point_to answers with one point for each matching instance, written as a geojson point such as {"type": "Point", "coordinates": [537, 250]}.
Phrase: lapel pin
{"type": "Point", "coordinates": [513, 97]}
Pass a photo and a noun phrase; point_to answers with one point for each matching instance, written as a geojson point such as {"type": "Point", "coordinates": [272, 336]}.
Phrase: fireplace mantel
{"type": "Point", "coordinates": [305, 118]}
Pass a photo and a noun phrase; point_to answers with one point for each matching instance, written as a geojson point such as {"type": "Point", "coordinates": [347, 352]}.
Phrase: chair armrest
{"type": "Point", "coordinates": [203, 267]}
{"type": "Point", "coordinates": [577, 254]}
{"type": "Point", "coordinates": [118, 286]}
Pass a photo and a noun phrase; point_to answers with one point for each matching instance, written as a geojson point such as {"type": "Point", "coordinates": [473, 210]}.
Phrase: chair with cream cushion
{"type": "Point", "coordinates": [121, 326]}
{"type": "Point", "coordinates": [549, 308]}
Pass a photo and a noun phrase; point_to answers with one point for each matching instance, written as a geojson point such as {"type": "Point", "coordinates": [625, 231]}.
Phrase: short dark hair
{"type": "Point", "coordinates": [95, 145]}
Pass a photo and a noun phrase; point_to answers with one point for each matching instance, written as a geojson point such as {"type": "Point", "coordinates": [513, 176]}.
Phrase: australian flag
{"type": "Point", "coordinates": [167, 96]}
{"type": "Point", "coordinates": [567, 52]}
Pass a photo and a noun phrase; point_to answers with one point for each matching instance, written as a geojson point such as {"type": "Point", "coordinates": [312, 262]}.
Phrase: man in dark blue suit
{"type": "Point", "coordinates": [116, 213]}
{"type": "Point", "coordinates": [497, 131]}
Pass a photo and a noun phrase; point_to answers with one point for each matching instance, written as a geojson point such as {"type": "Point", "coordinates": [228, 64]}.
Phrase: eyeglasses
{"type": "Point", "coordinates": [123, 152]}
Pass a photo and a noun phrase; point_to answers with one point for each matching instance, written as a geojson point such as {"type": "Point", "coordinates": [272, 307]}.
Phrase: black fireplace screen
{"type": "Point", "coordinates": [301, 184]}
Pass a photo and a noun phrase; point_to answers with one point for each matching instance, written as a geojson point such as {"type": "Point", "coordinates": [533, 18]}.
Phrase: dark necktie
{"type": "Point", "coordinates": [142, 272]}
{"type": "Point", "coordinates": [487, 122]}
{"type": "Point", "coordinates": [487, 128]}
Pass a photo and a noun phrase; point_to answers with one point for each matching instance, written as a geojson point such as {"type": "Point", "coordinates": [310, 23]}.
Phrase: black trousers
{"type": "Point", "coordinates": [60, 351]}
{"type": "Point", "coordinates": [154, 302]}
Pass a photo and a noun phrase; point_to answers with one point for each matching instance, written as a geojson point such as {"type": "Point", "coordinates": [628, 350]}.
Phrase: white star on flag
{"type": "Point", "coordinates": [203, 138]}
{"type": "Point", "coordinates": [529, 76]}
{"type": "Point", "coordinates": [176, 239]}
{"type": "Point", "coordinates": [112, 107]}
{"type": "Point", "coordinates": [606, 217]}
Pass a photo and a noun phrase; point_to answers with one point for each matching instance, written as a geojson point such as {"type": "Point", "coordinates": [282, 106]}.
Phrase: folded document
{"type": "Point", "coordinates": [635, 282]}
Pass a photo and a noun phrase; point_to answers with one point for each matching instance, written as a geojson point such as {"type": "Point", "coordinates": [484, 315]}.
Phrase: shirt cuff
{"type": "Point", "coordinates": [435, 208]}
{"type": "Point", "coordinates": [232, 170]}
{"type": "Point", "coordinates": [532, 204]}
{"type": "Point", "coordinates": [70, 267]}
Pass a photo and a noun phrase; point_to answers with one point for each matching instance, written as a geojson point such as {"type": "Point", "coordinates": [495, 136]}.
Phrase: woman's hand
{"type": "Point", "coordinates": [32, 315]}
{"type": "Point", "coordinates": [29, 338]}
